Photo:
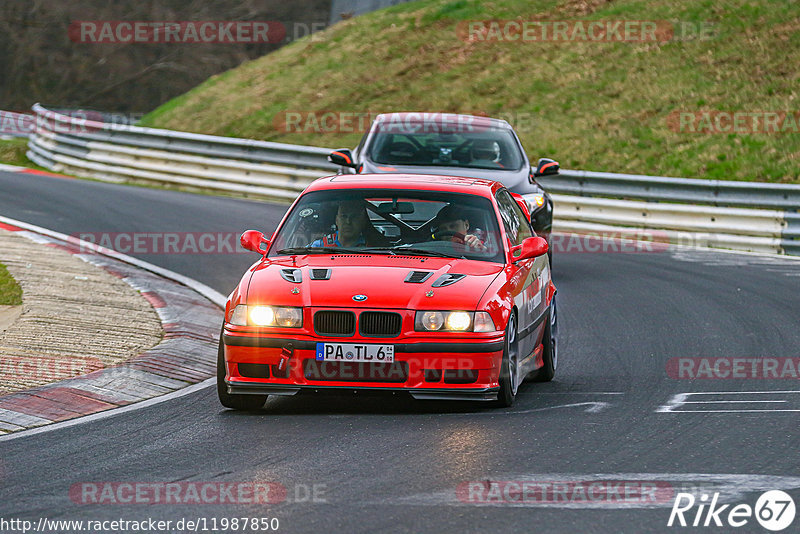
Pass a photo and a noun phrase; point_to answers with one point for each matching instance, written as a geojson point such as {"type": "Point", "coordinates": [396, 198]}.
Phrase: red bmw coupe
{"type": "Point", "coordinates": [432, 285]}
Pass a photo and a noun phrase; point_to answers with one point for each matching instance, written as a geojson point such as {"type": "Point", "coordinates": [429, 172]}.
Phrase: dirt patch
{"type": "Point", "coordinates": [75, 317]}
{"type": "Point", "coordinates": [8, 314]}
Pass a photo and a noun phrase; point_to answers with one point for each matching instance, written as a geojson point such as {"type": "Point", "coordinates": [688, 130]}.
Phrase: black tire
{"type": "Point", "coordinates": [509, 381]}
{"type": "Point", "coordinates": [235, 402]}
{"type": "Point", "coordinates": [550, 347]}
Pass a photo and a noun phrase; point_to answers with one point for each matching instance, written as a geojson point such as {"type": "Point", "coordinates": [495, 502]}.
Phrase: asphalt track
{"type": "Point", "coordinates": [393, 464]}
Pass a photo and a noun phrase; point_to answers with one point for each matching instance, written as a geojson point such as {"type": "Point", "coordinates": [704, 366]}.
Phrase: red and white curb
{"type": "Point", "coordinates": [184, 361]}
{"type": "Point", "coordinates": [26, 170]}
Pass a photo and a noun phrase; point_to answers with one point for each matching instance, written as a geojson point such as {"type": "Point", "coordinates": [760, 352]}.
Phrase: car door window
{"type": "Point", "coordinates": [359, 149]}
{"type": "Point", "coordinates": [517, 228]}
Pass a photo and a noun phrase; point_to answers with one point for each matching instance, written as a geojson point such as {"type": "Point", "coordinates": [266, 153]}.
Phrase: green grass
{"type": "Point", "coordinates": [12, 152]}
{"type": "Point", "coordinates": [10, 292]}
{"type": "Point", "coordinates": [594, 106]}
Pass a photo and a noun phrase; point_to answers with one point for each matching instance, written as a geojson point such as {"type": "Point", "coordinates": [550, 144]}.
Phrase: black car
{"type": "Point", "coordinates": [453, 145]}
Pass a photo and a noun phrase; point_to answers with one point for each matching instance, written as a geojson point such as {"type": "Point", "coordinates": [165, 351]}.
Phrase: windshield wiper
{"type": "Point", "coordinates": [422, 252]}
{"type": "Point", "coordinates": [390, 250]}
{"type": "Point", "coordinates": [319, 250]}
{"type": "Point", "coordinates": [331, 250]}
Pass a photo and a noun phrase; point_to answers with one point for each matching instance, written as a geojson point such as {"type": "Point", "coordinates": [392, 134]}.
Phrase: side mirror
{"type": "Point", "coordinates": [342, 157]}
{"type": "Point", "coordinates": [545, 167]}
{"type": "Point", "coordinates": [523, 204]}
{"type": "Point", "coordinates": [532, 247]}
{"type": "Point", "coordinates": [253, 240]}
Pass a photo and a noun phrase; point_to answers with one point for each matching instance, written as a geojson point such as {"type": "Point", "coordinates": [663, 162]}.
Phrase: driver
{"type": "Point", "coordinates": [353, 228]}
{"type": "Point", "coordinates": [451, 223]}
{"type": "Point", "coordinates": [486, 153]}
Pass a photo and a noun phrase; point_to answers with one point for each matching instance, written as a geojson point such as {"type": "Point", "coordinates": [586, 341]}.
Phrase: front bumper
{"type": "Point", "coordinates": [429, 368]}
{"type": "Point", "coordinates": [260, 388]}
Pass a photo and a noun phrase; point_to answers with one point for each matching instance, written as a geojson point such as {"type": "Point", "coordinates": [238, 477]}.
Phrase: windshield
{"type": "Point", "coordinates": [486, 148]}
{"type": "Point", "coordinates": [424, 223]}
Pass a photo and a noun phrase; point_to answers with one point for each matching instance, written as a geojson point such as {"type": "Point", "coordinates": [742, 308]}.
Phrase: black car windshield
{"type": "Point", "coordinates": [478, 148]}
{"type": "Point", "coordinates": [391, 222]}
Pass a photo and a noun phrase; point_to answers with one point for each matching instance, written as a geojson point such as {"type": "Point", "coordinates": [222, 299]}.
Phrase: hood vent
{"type": "Point", "coordinates": [447, 279]}
{"type": "Point", "coordinates": [320, 274]}
{"type": "Point", "coordinates": [417, 277]}
{"type": "Point", "coordinates": [294, 276]}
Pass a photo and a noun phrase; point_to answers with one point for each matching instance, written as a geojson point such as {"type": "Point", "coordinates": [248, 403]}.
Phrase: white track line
{"type": "Point", "coordinates": [110, 413]}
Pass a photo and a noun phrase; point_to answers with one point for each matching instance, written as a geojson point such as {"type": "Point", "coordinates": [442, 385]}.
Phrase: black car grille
{"type": "Point", "coordinates": [335, 323]}
{"type": "Point", "coordinates": [395, 372]}
{"type": "Point", "coordinates": [380, 324]}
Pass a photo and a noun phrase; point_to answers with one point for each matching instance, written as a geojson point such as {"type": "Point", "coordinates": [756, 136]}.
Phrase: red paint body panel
{"type": "Point", "coordinates": [381, 277]}
{"type": "Point", "coordinates": [523, 288]}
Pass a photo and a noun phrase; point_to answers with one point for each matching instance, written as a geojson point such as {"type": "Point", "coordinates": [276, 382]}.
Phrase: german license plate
{"type": "Point", "coordinates": [346, 352]}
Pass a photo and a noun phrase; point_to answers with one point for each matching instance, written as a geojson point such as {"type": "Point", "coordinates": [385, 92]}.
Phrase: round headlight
{"type": "Point", "coordinates": [262, 315]}
{"type": "Point", "coordinates": [432, 320]}
{"type": "Point", "coordinates": [458, 320]}
{"type": "Point", "coordinates": [288, 317]}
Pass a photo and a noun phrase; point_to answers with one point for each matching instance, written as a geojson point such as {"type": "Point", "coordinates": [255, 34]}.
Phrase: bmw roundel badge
{"type": "Point", "coordinates": [359, 298]}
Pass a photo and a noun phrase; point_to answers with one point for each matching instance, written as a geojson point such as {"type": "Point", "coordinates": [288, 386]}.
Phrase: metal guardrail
{"type": "Point", "coordinates": [120, 152]}
{"type": "Point", "coordinates": [698, 211]}
{"type": "Point", "coordinates": [665, 189]}
{"type": "Point", "coordinates": [185, 142]}
{"type": "Point", "coordinates": [754, 230]}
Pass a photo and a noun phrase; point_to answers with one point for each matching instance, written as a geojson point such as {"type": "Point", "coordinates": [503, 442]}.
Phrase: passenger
{"type": "Point", "coordinates": [452, 224]}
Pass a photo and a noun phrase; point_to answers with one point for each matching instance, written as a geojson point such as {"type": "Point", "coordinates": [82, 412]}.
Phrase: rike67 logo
{"type": "Point", "coordinates": [774, 510]}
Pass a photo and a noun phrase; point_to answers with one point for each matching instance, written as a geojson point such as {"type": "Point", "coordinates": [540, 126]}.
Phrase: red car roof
{"type": "Point", "coordinates": [417, 182]}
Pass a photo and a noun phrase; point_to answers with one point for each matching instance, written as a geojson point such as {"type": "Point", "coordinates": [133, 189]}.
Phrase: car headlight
{"type": "Point", "coordinates": [483, 322]}
{"type": "Point", "coordinates": [453, 321]}
{"type": "Point", "coordinates": [458, 321]}
{"type": "Point", "coordinates": [429, 321]}
{"type": "Point", "coordinates": [262, 316]}
{"type": "Point", "coordinates": [538, 201]}
{"type": "Point", "coordinates": [267, 316]}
